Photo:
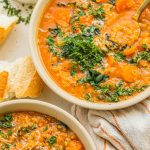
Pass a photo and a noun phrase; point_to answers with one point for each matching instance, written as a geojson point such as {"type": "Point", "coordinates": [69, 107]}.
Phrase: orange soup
{"type": "Point", "coordinates": [31, 130]}
{"type": "Point", "coordinates": [94, 49]}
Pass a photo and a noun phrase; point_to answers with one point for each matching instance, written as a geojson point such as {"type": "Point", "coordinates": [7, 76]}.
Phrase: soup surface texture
{"type": "Point", "coordinates": [94, 49]}
{"type": "Point", "coordinates": [35, 131]}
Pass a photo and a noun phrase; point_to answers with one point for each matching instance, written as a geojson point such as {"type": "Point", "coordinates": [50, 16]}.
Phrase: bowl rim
{"type": "Point", "coordinates": [35, 19]}
{"type": "Point", "coordinates": [10, 105]}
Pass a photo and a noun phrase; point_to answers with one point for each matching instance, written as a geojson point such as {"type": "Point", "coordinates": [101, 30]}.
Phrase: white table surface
{"type": "Point", "coordinates": [17, 46]}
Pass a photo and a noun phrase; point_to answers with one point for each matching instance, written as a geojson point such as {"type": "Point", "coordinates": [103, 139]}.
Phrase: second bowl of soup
{"type": "Point", "coordinates": [31, 124]}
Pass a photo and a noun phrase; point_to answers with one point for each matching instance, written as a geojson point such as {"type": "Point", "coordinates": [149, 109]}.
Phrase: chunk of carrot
{"type": "Point", "coordinates": [3, 83]}
{"type": "Point", "coordinates": [62, 16]}
{"type": "Point", "coordinates": [111, 61]}
{"type": "Point", "coordinates": [129, 73]}
{"type": "Point", "coordinates": [86, 20]}
{"type": "Point", "coordinates": [74, 145]}
{"type": "Point", "coordinates": [122, 5]}
{"type": "Point", "coordinates": [129, 51]}
{"type": "Point", "coordinates": [144, 63]}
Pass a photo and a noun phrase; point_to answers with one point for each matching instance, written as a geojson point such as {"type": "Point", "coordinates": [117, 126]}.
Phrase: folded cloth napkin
{"type": "Point", "coordinates": [125, 129]}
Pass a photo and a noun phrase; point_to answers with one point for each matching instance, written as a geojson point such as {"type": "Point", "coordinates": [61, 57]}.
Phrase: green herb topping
{"type": "Point", "coordinates": [93, 77]}
{"type": "Point", "coordinates": [12, 11]}
{"type": "Point", "coordinates": [113, 93]}
{"type": "Point", "coordinates": [98, 13]}
{"type": "Point", "coordinates": [88, 97]}
{"type": "Point", "coordinates": [52, 140]}
{"type": "Point", "coordinates": [113, 2]}
{"type": "Point", "coordinates": [6, 121]}
{"type": "Point", "coordinates": [82, 50]}
{"type": "Point", "coordinates": [56, 31]}
{"type": "Point", "coordinates": [26, 130]}
{"type": "Point", "coordinates": [6, 146]}
{"type": "Point", "coordinates": [45, 128]}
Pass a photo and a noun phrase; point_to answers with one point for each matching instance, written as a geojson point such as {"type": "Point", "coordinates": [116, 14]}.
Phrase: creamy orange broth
{"type": "Point", "coordinates": [35, 131]}
{"type": "Point", "coordinates": [124, 75]}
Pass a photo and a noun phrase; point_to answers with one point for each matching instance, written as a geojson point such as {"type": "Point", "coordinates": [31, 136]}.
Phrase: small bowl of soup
{"type": "Point", "coordinates": [91, 52]}
{"type": "Point", "coordinates": [36, 125]}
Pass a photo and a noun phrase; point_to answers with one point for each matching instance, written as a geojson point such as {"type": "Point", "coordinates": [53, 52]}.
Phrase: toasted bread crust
{"type": "Point", "coordinates": [3, 83]}
{"type": "Point", "coordinates": [34, 89]}
{"type": "Point", "coordinates": [22, 81]}
{"type": "Point", "coordinates": [29, 84]}
{"type": "Point", "coordinates": [6, 28]}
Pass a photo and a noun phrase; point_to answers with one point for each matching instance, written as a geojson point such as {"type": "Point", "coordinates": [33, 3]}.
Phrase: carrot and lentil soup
{"type": "Point", "coordinates": [35, 131]}
{"type": "Point", "coordinates": [94, 49]}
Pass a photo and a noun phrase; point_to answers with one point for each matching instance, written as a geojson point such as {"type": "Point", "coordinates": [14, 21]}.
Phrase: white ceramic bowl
{"type": "Point", "coordinates": [36, 16]}
{"type": "Point", "coordinates": [51, 110]}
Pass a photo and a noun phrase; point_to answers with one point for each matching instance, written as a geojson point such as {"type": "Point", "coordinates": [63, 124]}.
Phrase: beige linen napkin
{"type": "Point", "coordinates": [126, 129]}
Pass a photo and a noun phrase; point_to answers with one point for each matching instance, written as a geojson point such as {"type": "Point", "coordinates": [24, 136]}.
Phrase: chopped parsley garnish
{"type": "Point", "coordinates": [80, 26]}
{"type": "Point", "coordinates": [34, 126]}
{"type": "Point", "coordinates": [145, 55]}
{"type": "Point", "coordinates": [88, 97]}
{"type": "Point", "coordinates": [51, 140]}
{"type": "Point", "coordinates": [50, 43]}
{"type": "Point", "coordinates": [3, 135]}
{"type": "Point", "coordinates": [72, 4]}
{"type": "Point", "coordinates": [26, 130]}
{"type": "Point", "coordinates": [74, 68]}
{"type": "Point", "coordinates": [45, 128]}
{"type": "Point", "coordinates": [82, 50]}
{"type": "Point", "coordinates": [110, 44]}
{"type": "Point", "coordinates": [74, 28]}
{"type": "Point", "coordinates": [50, 39]}
{"type": "Point", "coordinates": [77, 16]}
{"type": "Point", "coordinates": [107, 92]}
{"type": "Point", "coordinates": [27, 19]}
{"type": "Point", "coordinates": [91, 31]}
{"type": "Point", "coordinates": [6, 121]}
{"type": "Point", "coordinates": [10, 132]}
{"type": "Point", "coordinates": [113, 93]}
{"type": "Point", "coordinates": [144, 46]}
{"type": "Point", "coordinates": [119, 56]}
{"type": "Point", "coordinates": [113, 2]}
{"type": "Point", "coordinates": [60, 4]}
{"type": "Point", "coordinates": [12, 11]}
{"type": "Point", "coordinates": [98, 13]}
{"type": "Point", "coordinates": [72, 73]}
{"type": "Point", "coordinates": [56, 31]}
{"type": "Point", "coordinates": [6, 146]}
{"type": "Point", "coordinates": [93, 77]}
